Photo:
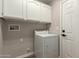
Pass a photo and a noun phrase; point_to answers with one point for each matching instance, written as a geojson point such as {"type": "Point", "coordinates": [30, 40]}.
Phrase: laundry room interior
{"type": "Point", "coordinates": [39, 29]}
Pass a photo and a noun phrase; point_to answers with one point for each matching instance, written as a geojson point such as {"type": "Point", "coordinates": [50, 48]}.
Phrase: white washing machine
{"type": "Point", "coordinates": [46, 44]}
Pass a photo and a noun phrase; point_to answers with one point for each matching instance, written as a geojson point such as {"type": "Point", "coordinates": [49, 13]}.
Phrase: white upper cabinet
{"type": "Point", "coordinates": [27, 9]}
{"type": "Point", "coordinates": [13, 8]}
{"type": "Point", "coordinates": [0, 8]}
{"type": "Point", "coordinates": [33, 10]}
{"type": "Point", "coordinates": [45, 13]}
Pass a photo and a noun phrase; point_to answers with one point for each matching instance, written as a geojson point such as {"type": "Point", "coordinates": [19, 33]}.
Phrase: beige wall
{"type": "Point", "coordinates": [12, 46]}
{"type": "Point", "coordinates": [55, 16]}
{"type": "Point", "coordinates": [55, 26]}
{"type": "Point", "coordinates": [1, 38]}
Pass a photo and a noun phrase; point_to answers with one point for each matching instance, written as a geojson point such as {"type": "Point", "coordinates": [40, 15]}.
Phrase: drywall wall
{"type": "Point", "coordinates": [55, 26]}
{"type": "Point", "coordinates": [15, 43]}
{"type": "Point", "coordinates": [1, 38]}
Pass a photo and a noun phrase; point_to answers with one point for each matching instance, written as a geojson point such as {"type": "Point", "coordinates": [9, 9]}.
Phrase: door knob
{"type": "Point", "coordinates": [63, 31]}
{"type": "Point", "coordinates": [64, 35]}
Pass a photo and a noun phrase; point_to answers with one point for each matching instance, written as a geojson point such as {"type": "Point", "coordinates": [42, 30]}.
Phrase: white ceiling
{"type": "Point", "coordinates": [46, 1]}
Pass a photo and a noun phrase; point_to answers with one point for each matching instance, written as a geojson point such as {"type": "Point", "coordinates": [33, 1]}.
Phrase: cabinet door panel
{"type": "Point", "coordinates": [33, 10]}
{"type": "Point", "coordinates": [25, 9]}
{"type": "Point", "coordinates": [45, 13]}
{"type": "Point", "coordinates": [0, 8]}
{"type": "Point", "coordinates": [13, 8]}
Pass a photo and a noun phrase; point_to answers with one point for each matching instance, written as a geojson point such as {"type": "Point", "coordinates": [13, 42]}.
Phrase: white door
{"type": "Point", "coordinates": [67, 39]}
{"type": "Point", "coordinates": [75, 28]}
{"type": "Point", "coordinates": [45, 13]}
{"type": "Point", "coordinates": [13, 8]}
{"type": "Point", "coordinates": [0, 8]}
{"type": "Point", "coordinates": [70, 23]}
{"type": "Point", "coordinates": [33, 10]}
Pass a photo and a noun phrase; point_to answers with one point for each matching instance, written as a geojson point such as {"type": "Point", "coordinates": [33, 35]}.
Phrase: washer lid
{"type": "Point", "coordinates": [46, 35]}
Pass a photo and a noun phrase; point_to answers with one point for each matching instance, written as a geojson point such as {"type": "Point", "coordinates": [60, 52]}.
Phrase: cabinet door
{"type": "Point", "coordinates": [45, 13]}
{"type": "Point", "coordinates": [0, 8]}
{"type": "Point", "coordinates": [51, 47]}
{"type": "Point", "coordinates": [33, 10]}
{"type": "Point", "coordinates": [13, 8]}
{"type": "Point", "coordinates": [25, 9]}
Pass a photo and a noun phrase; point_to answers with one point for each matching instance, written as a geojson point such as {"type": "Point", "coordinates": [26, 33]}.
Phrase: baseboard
{"type": "Point", "coordinates": [26, 55]}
